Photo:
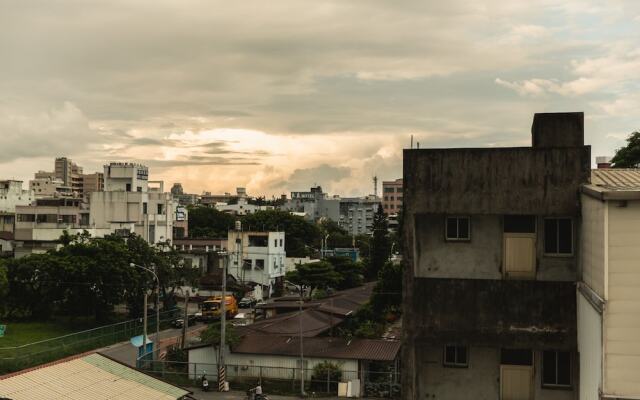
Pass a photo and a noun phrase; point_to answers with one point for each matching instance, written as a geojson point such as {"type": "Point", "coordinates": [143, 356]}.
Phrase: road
{"type": "Point", "coordinates": [127, 354]}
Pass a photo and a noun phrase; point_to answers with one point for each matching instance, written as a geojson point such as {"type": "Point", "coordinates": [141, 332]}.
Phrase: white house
{"type": "Point", "coordinates": [257, 257]}
{"type": "Point", "coordinates": [278, 357]}
{"type": "Point", "coordinates": [241, 207]}
{"type": "Point", "coordinates": [608, 298]}
{"type": "Point", "coordinates": [12, 195]}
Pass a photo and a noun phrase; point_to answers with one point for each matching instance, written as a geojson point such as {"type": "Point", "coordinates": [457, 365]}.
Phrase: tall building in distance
{"type": "Point", "coordinates": [489, 308]}
{"type": "Point", "coordinates": [69, 173]}
{"type": "Point", "coordinates": [392, 196]}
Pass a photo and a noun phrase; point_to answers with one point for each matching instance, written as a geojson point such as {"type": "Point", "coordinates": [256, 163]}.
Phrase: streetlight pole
{"type": "Point", "coordinates": [302, 393]}
{"type": "Point", "coordinates": [223, 322]}
{"type": "Point", "coordinates": [144, 339]}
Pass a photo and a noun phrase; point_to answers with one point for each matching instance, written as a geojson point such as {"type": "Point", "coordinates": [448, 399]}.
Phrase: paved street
{"type": "Point", "coordinates": [237, 395]}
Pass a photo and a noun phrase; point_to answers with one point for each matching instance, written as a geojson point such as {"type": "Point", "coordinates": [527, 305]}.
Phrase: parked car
{"type": "Point", "coordinates": [179, 322]}
{"type": "Point", "coordinates": [247, 302]}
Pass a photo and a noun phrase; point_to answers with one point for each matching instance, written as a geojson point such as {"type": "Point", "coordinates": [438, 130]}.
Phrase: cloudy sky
{"type": "Point", "coordinates": [278, 95]}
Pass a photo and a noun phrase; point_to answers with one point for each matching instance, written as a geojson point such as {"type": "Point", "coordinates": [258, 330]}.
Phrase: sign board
{"type": "Point", "coordinates": [3, 329]}
{"type": "Point", "coordinates": [181, 213]}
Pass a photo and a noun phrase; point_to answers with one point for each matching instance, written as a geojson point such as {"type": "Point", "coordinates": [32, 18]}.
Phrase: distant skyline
{"type": "Point", "coordinates": [276, 96]}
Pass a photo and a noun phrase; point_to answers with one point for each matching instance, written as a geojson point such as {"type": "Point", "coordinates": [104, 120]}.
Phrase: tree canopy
{"type": "Point", "coordinates": [209, 222]}
{"type": "Point", "coordinates": [300, 233]}
{"type": "Point", "coordinates": [629, 155]}
{"type": "Point", "coordinates": [89, 276]}
{"type": "Point", "coordinates": [380, 246]}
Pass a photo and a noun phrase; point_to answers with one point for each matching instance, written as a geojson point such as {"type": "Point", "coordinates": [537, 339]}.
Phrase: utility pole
{"type": "Point", "coordinates": [185, 324]}
{"type": "Point", "coordinates": [144, 327]}
{"type": "Point", "coordinates": [302, 393]}
{"type": "Point", "coordinates": [157, 346]}
{"type": "Point", "coordinates": [223, 324]}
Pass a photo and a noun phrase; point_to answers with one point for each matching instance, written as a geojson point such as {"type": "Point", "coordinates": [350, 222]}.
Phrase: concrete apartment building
{"type": "Point", "coordinates": [11, 195]}
{"type": "Point", "coordinates": [314, 204]}
{"type": "Point", "coordinates": [608, 296]}
{"type": "Point", "coordinates": [392, 196]}
{"type": "Point", "coordinates": [44, 185]}
{"type": "Point", "coordinates": [66, 180]}
{"type": "Point", "coordinates": [356, 214]}
{"type": "Point", "coordinates": [40, 224]}
{"type": "Point", "coordinates": [128, 204]}
{"type": "Point", "coordinates": [69, 173]}
{"type": "Point", "coordinates": [257, 257]}
{"type": "Point", "coordinates": [491, 265]}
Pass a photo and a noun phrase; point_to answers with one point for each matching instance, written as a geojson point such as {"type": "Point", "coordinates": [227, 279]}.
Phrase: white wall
{"type": "Point", "coordinates": [14, 196]}
{"type": "Point", "coordinates": [281, 367]}
{"type": "Point", "coordinates": [622, 315]}
{"type": "Point", "coordinates": [593, 244]}
{"type": "Point", "coordinates": [590, 349]}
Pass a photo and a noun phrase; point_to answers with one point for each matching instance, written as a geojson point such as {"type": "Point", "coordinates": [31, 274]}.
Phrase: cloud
{"type": "Point", "coordinates": [219, 94]}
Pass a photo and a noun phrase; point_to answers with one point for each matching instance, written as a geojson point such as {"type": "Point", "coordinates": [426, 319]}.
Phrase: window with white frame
{"type": "Point", "coordinates": [556, 368]}
{"type": "Point", "coordinates": [455, 356]}
{"type": "Point", "coordinates": [558, 236]}
{"type": "Point", "coordinates": [458, 228]}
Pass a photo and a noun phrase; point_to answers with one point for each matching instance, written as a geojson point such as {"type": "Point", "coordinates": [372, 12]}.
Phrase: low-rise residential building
{"type": "Point", "coordinates": [491, 265]}
{"type": "Point", "coordinates": [609, 288]}
{"type": "Point", "coordinates": [50, 187]}
{"type": "Point", "coordinates": [128, 204]}
{"type": "Point", "coordinates": [278, 357]}
{"type": "Point", "coordinates": [210, 200]}
{"type": "Point", "coordinates": [39, 225]}
{"type": "Point", "coordinates": [200, 253]}
{"type": "Point", "coordinates": [392, 196]}
{"type": "Point", "coordinates": [11, 195]}
{"type": "Point", "coordinates": [241, 207]}
{"type": "Point", "coordinates": [257, 257]}
{"type": "Point", "coordinates": [184, 199]}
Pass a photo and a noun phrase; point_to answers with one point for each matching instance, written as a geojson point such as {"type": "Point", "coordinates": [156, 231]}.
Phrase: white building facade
{"type": "Point", "coordinates": [608, 296]}
{"type": "Point", "coordinates": [12, 195]}
{"type": "Point", "coordinates": [257, 257]}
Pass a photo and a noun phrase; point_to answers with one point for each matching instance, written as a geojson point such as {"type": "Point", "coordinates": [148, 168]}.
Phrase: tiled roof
{"type": "Point", "coordinates": [93, 376]}
{"type": "Point", "coordinates": [616, 178]}
{"type": "Point", "coordinates": [320, 347]}
{"type": "Point", "coordinates": [313, 323]}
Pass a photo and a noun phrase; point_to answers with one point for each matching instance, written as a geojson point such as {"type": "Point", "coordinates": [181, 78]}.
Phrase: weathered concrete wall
{"type": "Point", "coordinates": [557, 129]}
{"type": "Point", "coordinates": [482, 256]}
{"type": "Point", "coordinates": [593, 238]}
{"type": "Point", "coordinates": [497, 313]}
{"type": "Point", "coordinates": [479, 258]}
{"type": "Point", "coordinates": [481, 380]}
{"type": "Point", "coordinates": [517, 180]}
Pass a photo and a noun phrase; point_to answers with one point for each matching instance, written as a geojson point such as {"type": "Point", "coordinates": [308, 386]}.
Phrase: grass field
{"type": "Point", "coordinates": [19, 333]}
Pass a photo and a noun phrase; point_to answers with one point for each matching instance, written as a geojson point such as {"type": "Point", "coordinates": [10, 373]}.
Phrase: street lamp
{"type": "Point", "coordinates": [144, 334]}
{"type": "Point", "coordinates": [302, 393]}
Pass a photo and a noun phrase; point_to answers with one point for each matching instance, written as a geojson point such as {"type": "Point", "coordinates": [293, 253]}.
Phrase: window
{"type": "Point", "coordinates": [458, 228]}
{"type": "Point", "coordinates": [128, 186]}
{"type": "Point", "coordinates": [160, 209]}
{"type": "Point", "coordinates": [556, 368]}
{"type": "Point", "coordinates": [246, 264]}
{"type": "Point", "coordinates": [558, 236]}
{"type": "Point", "coordinates": [259, 264]}
{"type": "Point", "coordinates": [391, 198]}
{"type": "Point", "coordinates": [144, 208]}
{"type": "Point", "coordinates": [139, 189]}
{"type": "Point", "coordinates": [281, 241]}
{"type": "Point", "coordinates": [388, 189]}
{"type": "Point", "coordinates": [26, 217]}
{"type": "Point", "coordinates": [455, 356]}
{"type": "Point", "coordinates": [386, 198]}
{"type": "Point", "coordinates": [275, 242]}
{"type": "Point", "coordinates": [516, 357]}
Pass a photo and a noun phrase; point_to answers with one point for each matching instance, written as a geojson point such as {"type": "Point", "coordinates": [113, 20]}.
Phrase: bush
{"type": "Point", "coordinates": [326, 377]}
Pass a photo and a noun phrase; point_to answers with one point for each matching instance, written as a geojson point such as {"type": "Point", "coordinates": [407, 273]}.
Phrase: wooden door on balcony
{"type": "Point", "coordinates": [519, 255]}
{"type": "Point", "coordinates": [516, 382]}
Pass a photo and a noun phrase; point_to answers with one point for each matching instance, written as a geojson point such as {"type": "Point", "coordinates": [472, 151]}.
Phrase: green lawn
{"type": "Point", "coordinates": [19, 333]}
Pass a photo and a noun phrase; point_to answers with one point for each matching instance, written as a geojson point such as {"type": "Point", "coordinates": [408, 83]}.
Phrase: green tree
{"type": "Point", "coordinates": [351, 273]}
{"type": "Point", "coordinates": [300, 234]}
{"type": "Point", "coordinates": [326, 376]}
{"type": "Point", "coordinates": [337, 236]}
{"type": "Point", "coordinates": [319, 275]}
{"type": "Point", "coordinates": [380, 245]}
{"type": "Point", "coordinates": [629, 155]}
{"type": "Point", "coordinates": [209, 222]}
{"type": "Point", "coordinates": [211, 335]}
{"type": "Point", "coordinates": [387, 294]}
{"type": "Point", "coordinates": [4, 287]}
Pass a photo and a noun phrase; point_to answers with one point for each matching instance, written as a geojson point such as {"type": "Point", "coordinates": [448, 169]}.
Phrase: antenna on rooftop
{"type": "Point", "coordinates": [411, 141]}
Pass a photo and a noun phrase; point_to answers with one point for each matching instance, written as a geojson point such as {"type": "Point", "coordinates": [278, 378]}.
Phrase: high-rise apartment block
{"type": "Point", "coordinates": [392, 196]}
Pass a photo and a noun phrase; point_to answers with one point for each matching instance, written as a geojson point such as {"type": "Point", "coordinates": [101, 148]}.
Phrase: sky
{"type": "Point", "coordinates": [279, 95]}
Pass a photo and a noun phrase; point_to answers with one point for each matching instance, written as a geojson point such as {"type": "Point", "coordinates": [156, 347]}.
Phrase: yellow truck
{"type": "Point", "coordinates": [211, 307]}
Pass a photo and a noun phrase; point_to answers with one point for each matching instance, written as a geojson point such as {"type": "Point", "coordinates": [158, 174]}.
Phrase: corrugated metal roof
{"type": "Point", "coordinates": [313, 322]}
{"type": "Point", "coordinates": [616, 178]}
{"type": "Point", "coordinates": [93, 377]}
{"type": "Point", "coordinates": [320, 347]}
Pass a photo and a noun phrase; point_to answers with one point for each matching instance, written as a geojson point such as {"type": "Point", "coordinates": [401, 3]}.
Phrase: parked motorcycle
{"type": "Point", "coordinates": [204, 382]}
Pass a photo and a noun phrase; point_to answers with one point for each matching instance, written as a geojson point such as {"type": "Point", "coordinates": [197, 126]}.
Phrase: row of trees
{"type": "Point", "coordinates": [89, 276]}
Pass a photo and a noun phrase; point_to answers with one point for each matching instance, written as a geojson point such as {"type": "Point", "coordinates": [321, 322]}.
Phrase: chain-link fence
{"type": "Point", "coordinates": [278, 380]}
{"type": "Point", "coordinates": [32, 354]}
